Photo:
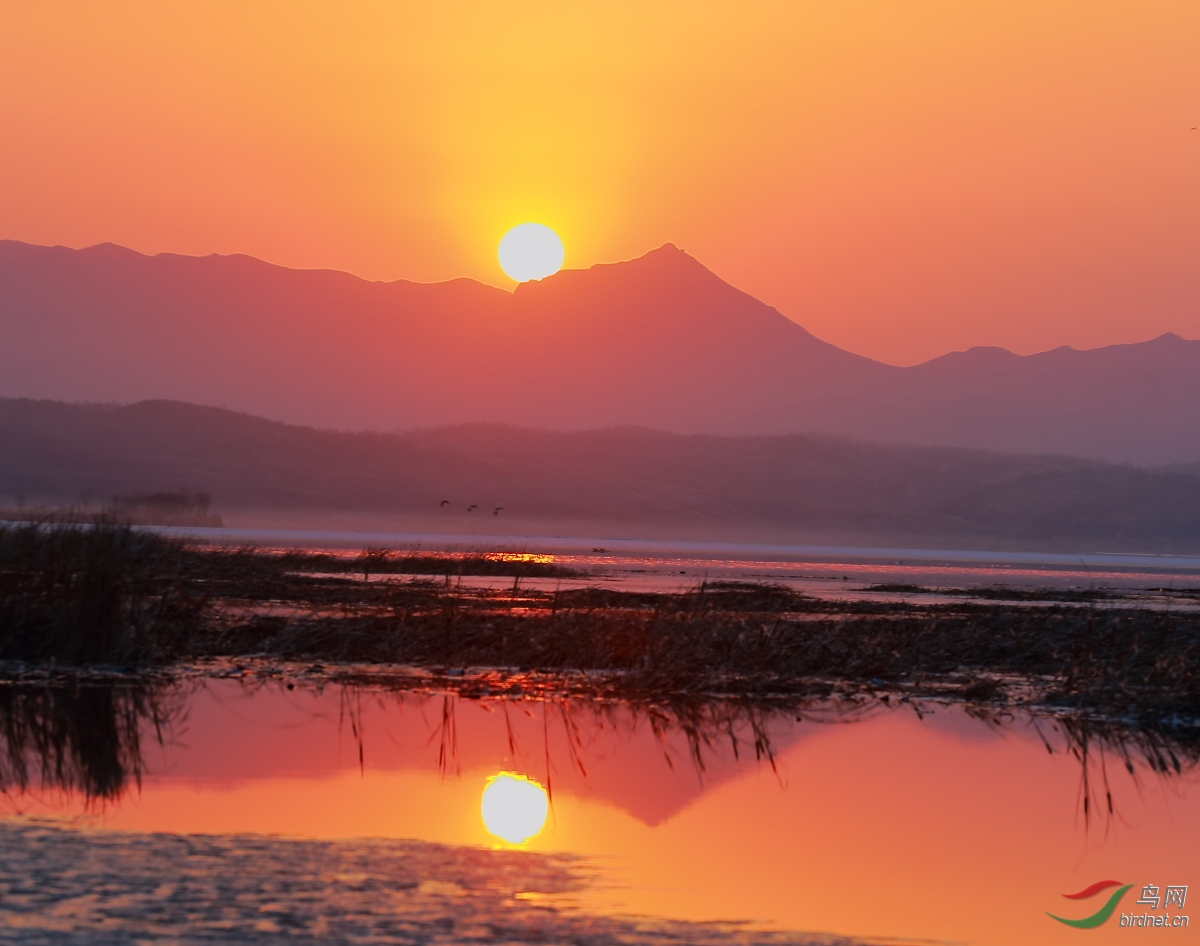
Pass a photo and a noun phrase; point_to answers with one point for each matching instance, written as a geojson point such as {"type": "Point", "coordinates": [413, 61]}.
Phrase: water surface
{"type": "Point", "coordinates": [862, 820]}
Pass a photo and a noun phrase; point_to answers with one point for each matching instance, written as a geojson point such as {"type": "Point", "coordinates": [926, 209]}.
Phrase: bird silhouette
{"type": "Point", "coordinates": [445, 502]}
{"type": "Point", "coordinates": [472, 507]}
{"type": "Point", "coordinates": [496, 511]}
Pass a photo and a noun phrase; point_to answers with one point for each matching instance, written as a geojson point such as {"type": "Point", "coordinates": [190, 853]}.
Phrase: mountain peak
{"type": "Point", "coordinates": [666, 268]}
{"type": "Point", "coordinates": [666, 255]}
{"type": "Point", "coordinates": [110, 250]}
{"type": "Point", "coordinates": [663, 267]}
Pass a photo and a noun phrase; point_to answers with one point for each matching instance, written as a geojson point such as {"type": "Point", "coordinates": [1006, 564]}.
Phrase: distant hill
{"type": "Point", "coordinates": [657, 342]}
{"type": "Point", "coordinates": [796, 488]}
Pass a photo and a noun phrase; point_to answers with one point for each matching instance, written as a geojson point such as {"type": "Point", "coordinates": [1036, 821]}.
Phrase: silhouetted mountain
{"type": "Point", "coordinates": [658, 342]}
{"type": "Point", "coordinates": [794, 488]}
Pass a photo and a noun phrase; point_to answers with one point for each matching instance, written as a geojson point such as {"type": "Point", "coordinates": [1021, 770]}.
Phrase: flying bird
{"type": "Point", "coordinates": [472, 506]}
{"type": "Point", "coordinates": [496, 511]}
{"type": "Point", "coordinates": [445, 502]}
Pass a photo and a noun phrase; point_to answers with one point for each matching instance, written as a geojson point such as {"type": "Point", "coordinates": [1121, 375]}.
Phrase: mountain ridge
{"type": "Point", "coordinates": [659, 341]}
{"type": "Point", "coordinates": [795, 488]}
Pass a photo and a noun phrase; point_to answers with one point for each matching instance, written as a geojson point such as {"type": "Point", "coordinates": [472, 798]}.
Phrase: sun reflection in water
{"type": "Point", "coordinates": [514, 807]}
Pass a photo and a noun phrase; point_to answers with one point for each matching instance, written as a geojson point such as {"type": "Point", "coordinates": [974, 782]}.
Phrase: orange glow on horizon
{"type": "Point", "coordinates": [538, 558]}
{"type": "Point", "coordinates": [901, 179]}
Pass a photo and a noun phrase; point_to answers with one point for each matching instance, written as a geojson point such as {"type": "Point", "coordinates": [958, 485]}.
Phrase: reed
{"type": "Point", "coordinates": [105, 593]}
{"type": "Point", "coordinates": [763, 642]}
{"type": "Point", "coordinates": [87, 593]}
{"type": "Point", "coordinates": [85, 739]}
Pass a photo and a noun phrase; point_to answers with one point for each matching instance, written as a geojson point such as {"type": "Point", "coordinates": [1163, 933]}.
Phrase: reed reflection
{"type": "Point", "coordinates": [82, 740]}
{"type": "Point", "coordinates": [87, 740]}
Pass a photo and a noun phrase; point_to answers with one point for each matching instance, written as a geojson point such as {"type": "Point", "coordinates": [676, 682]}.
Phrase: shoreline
{"type": "Point", "coordinates": [736, 551]}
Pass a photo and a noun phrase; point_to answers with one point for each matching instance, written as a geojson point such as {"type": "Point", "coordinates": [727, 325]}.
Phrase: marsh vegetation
{"type": "Point", "coordinates": [109, 594]}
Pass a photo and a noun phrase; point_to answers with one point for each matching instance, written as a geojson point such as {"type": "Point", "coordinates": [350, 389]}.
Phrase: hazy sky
{"type": "Point", "coordinates": [902, 178]}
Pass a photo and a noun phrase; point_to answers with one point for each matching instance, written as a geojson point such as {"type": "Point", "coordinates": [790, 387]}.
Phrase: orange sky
{"type": "Point", "coordinates": [901, 178]}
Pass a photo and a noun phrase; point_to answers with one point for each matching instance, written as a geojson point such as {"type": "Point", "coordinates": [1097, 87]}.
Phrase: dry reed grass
{"type": "Point", "coordinates": [109, 594]}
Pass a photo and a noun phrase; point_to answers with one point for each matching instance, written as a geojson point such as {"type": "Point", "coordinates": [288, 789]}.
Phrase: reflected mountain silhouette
{"type": "Point", "coordinates": [87, 741]}
{"type": "Point", "coordinates": [721, 737]}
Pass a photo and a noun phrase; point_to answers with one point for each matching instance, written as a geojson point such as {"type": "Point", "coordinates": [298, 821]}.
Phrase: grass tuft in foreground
{"type": "Point", "coordinates": [97, 592]}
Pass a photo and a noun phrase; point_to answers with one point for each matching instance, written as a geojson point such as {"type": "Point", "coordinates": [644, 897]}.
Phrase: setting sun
{"type": "Point", "coordinates": [514, 807]}
{"type": "Point", "coordinates": [530, 251]}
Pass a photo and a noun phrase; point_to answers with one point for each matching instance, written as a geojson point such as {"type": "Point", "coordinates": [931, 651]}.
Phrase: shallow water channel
{"type": "Point", "coordinates": [227, 810]}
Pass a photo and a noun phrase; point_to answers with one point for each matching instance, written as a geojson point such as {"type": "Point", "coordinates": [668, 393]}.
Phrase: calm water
{"type": "Point", "coordinates": [355, 816]}
{"type": "Point", "coordinates": [824, 571]}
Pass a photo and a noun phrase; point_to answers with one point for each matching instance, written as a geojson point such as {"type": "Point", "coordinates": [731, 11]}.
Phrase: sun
{"type": "Point", "coordinates": [514, 807]}
{"type": "Point", "coordinates": [530, 251]}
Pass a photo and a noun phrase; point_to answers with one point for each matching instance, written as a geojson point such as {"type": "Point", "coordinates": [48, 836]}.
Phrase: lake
{"type": "Point", "coordinates": [239, 809]}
